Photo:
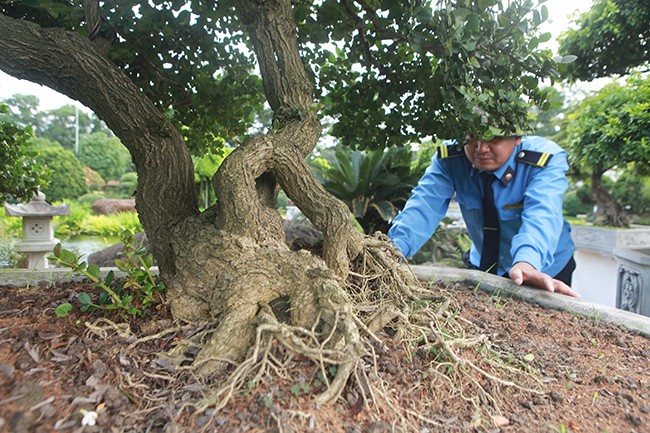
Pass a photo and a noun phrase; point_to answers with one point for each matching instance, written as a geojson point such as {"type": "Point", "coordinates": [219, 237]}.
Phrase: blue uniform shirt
{"type": "Point", "coordinates": [528, 197]}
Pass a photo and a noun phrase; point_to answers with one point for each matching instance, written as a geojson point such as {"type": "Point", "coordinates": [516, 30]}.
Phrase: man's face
{"type": "Point", "coordinates": [490, 155]}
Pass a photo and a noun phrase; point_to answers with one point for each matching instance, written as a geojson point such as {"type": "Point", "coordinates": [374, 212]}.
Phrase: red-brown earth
{"type": "Point", "coordinates": [591, 376]}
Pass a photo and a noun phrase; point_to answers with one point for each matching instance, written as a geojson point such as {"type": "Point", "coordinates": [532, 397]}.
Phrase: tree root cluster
{"type": "Point", "coordinates": [380, 301]}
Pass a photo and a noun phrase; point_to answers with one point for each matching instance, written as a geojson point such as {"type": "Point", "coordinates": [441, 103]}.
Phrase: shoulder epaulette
{"type": "Point", "coordinates": [539, 159]}
{"type": "Point", "coordinates": [449, 151]}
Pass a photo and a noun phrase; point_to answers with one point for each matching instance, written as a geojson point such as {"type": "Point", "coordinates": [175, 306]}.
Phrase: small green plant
{"type": "Point", "coordinates": [300, 388]}
{"type": "Point", "coordinates": [559, 428]}
{"type": "Point", "coordinates": [131, 294]}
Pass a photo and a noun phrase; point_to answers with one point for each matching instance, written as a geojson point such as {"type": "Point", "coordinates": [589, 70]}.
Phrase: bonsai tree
{"type": "Point", "coordinates": [611, 38]}
{"type": "Point", "coordinates": [610, 130]}
{"type": "Point", "coordinates": [170, 78]}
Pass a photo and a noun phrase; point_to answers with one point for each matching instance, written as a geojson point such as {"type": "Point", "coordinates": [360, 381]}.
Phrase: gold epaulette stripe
{"type": "Point", "coordinates": [543, 159]}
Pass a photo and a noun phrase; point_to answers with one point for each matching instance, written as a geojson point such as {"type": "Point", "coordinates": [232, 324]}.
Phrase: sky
{"type": "Point", "coordinates": [560, 12]}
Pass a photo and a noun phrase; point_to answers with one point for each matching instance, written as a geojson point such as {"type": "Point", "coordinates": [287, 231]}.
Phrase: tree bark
{"type": "Point", "coordinates": [223, 265]}
{"type": "Point", "coordinates": [70, 64]}
{"type": "Point", "coordinates": [614, 213]}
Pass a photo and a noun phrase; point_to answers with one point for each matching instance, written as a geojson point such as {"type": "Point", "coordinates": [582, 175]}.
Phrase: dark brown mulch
{"type": "Point", "coordinates": [596, 376]}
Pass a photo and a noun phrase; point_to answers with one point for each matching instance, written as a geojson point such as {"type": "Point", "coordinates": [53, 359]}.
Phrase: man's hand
{"type": "Point", "coordinates": [523, 272]}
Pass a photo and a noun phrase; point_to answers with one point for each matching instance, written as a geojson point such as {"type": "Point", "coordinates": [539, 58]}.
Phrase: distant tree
{"type": "Point", "coordinates": [128, 184]}
{"type": "Point", "coordinates": [59, 125]}
{"type": "Point", "coordinates": [23, 111]}
{"type": "Point", "coordinates": [611, 129]}
{"type": "Point", "coordinates": [20, 175]}
{"type": "Point", "coordinates": [42, 143]}
{"type": "Point", "coordinates": [67, 178]}
{"type": "Point", "coordinates": [104, 154]}
{"type": "Point", "coordinates": [632, 189]}
{"type": "Point", "coordinates": [612, 38]}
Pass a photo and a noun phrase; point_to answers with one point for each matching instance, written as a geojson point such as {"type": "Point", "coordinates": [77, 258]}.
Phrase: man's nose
{"type": "Point", "coordinates": [480, 146]}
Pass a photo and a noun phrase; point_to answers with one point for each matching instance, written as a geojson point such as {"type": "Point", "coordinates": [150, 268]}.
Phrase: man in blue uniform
{"type": "Point", "coordinates": [510, 192]}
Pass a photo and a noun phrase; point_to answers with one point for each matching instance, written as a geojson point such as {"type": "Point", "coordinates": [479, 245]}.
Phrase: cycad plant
{"type": "Point", "coordinates": [374, 184]}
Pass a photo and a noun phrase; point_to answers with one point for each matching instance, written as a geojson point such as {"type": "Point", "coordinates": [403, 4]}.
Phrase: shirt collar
{"type": "Point", "coordinates": [506, 172]}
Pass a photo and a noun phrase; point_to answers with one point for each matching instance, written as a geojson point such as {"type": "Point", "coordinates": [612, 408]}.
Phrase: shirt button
{"type": "Point", "coordinates": [508, 176]}
{"type": "Point", "coordinates": [521, 154]}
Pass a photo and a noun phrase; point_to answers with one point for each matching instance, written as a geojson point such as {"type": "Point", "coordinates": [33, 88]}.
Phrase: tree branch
{"type": "Point", "coordinates": [69, 63]}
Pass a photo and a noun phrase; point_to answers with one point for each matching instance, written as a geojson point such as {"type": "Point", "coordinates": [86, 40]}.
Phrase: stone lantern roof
{"type": "Point", "coordinates": [37, 207]}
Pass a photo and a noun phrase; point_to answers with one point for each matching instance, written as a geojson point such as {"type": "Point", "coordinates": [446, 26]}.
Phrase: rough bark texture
{"type": "Point", "coordinates": [614, 214]}
{"type": "Point", "coordinates": [70, 64]}
{"type": "Point", "coordinates": [222, 265]}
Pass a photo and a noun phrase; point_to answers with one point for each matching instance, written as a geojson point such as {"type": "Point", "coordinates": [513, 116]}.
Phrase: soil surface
{"type": "Point", "coordinates": [590, 376]}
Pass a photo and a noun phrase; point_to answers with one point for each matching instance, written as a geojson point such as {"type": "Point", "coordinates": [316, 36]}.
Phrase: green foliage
{"type": "Point", "coordinates": [425, 154]}
{"type": "Point", "coordinates": [94, 180]}
{"type": "Point", "coordinates": [612, 128]}
{"type": "Point", "coordinates": [110, 225]}
{"type": "Point", "coordinates": [88, 199]}
{"type": "Point", "coordinates": [104, 154]}
{"type": "Point", "coordinates": [10, 230]}
{"type": "Point", "coordinates": [374, 184]}
{"type": "Point", "coordinates": [132, 294]}
{"type": "Point", "coordinates": [20, 175]}
{"type": "Point", "coordinates": [633, 191]}
{"type": "Point", "coordinates": [67, 179]}
{"type": "Point", "coordinates": [81, 221]}
{"type": "Point", "coordinates": [445, 247]}
{"type": "Point", "coordinates": [22, 112]}
{"type": "Point", "coordinates": [128, 184]}
{"type": "Point", "coordinates": [400, 71]}
{"type": "Point", "coordinates": [204, 169]}
{"type": "Point", "coordinates": [60, 125]}
{"type": "Point", "coordinates": [611, 39]}
{"type": "Point", "coordinates": [573, 206]}
{"type": "Point", "coordinates": [71, 225]}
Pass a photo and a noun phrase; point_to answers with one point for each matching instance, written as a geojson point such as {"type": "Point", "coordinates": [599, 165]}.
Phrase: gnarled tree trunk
{"type": "Point", "coordinates": [614, 214]}
{"type": "Point", "coordinates": [222, 265]}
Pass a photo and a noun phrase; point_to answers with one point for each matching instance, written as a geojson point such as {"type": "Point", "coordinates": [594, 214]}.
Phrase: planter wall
{"type": "Point", "coordinates": [601, 262]}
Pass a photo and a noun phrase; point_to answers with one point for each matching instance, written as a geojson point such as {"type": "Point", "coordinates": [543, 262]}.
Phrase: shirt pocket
{"type": "Point", "coordinates": [511, 211]}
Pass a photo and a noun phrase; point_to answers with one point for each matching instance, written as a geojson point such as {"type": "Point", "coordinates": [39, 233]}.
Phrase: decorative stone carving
{"type": "Point", "coordinates": [38, 228]}
{"type": "Point", "coordinates": [630, 285]}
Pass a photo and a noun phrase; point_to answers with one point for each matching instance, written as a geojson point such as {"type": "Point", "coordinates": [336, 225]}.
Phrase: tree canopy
{"type": "Point", "coordinates": [612, 38]}
{"type": "Point", "coordinates": [611, 129]}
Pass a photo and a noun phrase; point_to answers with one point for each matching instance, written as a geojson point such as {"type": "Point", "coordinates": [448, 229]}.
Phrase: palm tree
{"type": "Point", "coordinates": [374, 184]}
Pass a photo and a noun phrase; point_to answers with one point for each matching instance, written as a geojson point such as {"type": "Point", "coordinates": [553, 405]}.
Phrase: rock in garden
{"type": "Point", "coordinates": [108, 206]}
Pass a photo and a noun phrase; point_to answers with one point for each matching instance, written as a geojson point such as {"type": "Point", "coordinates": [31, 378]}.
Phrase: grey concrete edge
{"type": "Point", "coordinates": [504, 287]}
{"type": "Point", "coordinates": [486, 282]}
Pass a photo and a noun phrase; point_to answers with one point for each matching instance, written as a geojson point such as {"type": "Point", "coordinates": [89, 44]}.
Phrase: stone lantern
{"type": "Point", "coordinates": [38, 228]}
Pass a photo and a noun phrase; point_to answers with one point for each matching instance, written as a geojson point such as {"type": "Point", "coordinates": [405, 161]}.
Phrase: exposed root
{"type": "Point", "coordinates": [348, 346]}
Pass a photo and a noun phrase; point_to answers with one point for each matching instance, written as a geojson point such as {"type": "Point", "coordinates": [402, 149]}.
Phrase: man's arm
{"type": "Point", "coordinates": [542, 220]}
{"type": "Point", "coordinates": [422, 213]}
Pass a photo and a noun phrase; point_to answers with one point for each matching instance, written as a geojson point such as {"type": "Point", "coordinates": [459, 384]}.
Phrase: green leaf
{"type": "Point", "coordinates": [63, 310]}
{"type": "Point", "coordinates": [68, 257]}
{"type": "Point", "coordinates": [84, 298]}
{"type": "Point", "coordinates": [93, 271]}
{"type": "Point", "coordinates": [110, 276]}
